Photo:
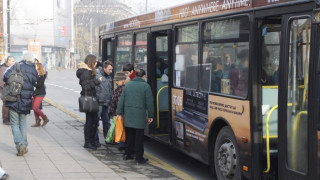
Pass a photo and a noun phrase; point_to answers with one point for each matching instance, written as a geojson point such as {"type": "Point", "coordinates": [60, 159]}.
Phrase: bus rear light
{"type": "Point", "coordinates": [244, 139]}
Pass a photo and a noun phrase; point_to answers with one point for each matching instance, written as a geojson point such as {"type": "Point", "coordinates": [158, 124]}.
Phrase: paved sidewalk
{"type": "Point", "coordinates": [56, 152]}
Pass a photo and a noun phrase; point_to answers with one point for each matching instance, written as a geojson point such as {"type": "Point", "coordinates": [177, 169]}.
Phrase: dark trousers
{"type": "Point", "coordinates": [104, 114]}
{"type": "Point", "coordinates": [134, 141]}
{"type": "Point", "coordinates": [5, 112]}
{"type": "Point", "coordinates": [90, 127]}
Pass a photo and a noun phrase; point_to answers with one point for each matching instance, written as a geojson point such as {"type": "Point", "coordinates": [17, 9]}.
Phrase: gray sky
{"type": "Point", "coordinates": [153, 5]}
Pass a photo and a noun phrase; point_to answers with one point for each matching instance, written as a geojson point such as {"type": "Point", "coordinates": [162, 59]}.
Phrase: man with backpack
{"type": "Point", "coordinates": [3, 67]}
{"type": "Point", "coordinates": [20, 79]}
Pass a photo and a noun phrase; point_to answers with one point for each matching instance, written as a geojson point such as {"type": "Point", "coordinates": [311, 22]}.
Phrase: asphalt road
{"type": "Point", "coordinates": [64, 89]}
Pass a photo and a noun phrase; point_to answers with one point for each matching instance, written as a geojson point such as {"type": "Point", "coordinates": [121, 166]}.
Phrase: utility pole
{"type": "Point", "coordinates": [146, 6]}
{"type": "Point", "coordinates": [8, 25]}
{"type": "Point", "coordinates": [90, 35]}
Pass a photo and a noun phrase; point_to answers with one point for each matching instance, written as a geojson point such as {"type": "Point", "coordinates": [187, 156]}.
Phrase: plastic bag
{"type": "Point", "coordinates": [110, 134]}
{"type": "Point", "coordinates": [120, 133]}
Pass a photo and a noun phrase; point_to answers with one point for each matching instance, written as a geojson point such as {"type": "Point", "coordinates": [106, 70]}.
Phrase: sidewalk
{"type": "Point", "coordinates": [56, 152]}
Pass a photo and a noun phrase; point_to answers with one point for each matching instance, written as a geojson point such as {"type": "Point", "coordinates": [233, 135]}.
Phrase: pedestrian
{"type": "Point", "coordinates": [104, 94]}
{"type": "Point", "coordinates": [136, 99]}
{"type": "Point", "coordinates": [87, 79]}
{"type": "Point", "coordinates": [120, 80]}
{"type": "Point", "coordinates": [5, 110]}
{"type": "Point", "coordinates": [21, 107]}
{"type": "Point", "coordinates": [129, 70]}
{"type": "Point", "coordinates": [38, 96]}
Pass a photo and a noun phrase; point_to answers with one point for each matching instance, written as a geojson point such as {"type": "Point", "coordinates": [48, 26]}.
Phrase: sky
{"type": "Point", "coordinates": [139, 6]}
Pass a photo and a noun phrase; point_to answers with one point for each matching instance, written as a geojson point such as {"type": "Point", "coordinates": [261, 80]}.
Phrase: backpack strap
{"type": "Point", "coordinates": [17, 67]}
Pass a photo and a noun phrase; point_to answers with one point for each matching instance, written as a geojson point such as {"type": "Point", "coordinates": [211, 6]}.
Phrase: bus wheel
{"type": "Point", "coordinates": [226, 155]}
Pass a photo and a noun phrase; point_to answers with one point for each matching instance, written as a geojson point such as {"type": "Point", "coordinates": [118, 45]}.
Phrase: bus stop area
{"type": "Point", "coordinates": [56, 152]}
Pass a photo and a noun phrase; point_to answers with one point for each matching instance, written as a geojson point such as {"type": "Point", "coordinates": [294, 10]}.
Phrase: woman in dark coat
{"type": "Point", "coordinates": [38, 96]}
{"type": "Point", "coordinates": [86, 73]}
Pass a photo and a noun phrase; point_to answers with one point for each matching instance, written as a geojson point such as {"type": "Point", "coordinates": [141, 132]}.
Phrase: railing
{"type": "Point", "coordinates": [158, 116]}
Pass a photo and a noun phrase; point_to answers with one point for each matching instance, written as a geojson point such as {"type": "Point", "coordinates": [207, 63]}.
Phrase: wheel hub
{"type": "Point", "coordinates": [227, 159]}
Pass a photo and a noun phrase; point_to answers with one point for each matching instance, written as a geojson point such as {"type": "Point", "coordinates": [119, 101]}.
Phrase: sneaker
{"type": "Point", "coordinates": [4, 177]}
{"type": "Point", "coordinates": [20, 150]}
{"type": "Point", "coordinates": [7, 123]}
{"type": "Point", "coordinates": [25, 150]}
{"type": "Point", "coordinates": [142, 161]}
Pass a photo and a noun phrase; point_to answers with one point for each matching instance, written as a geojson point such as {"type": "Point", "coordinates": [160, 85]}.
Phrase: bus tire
{"type": "Point", "coordinates": [226, 155]}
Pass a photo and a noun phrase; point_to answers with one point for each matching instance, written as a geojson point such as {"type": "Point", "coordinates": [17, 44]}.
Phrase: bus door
{"type": "Point", "coordinates": [297, 142]}
{"type": "Point", "coordinates": [269, 56]}
{"type": "Point", "coordinates": [159, 73]}
{"type": "Point", "coordinates": [107, 49]}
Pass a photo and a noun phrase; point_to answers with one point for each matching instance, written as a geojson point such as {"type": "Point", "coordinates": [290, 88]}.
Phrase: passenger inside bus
{"type": "Point", "coordinates": [216, 73]}
{"type": "Point", "coordinates": [239, 75]}
{"type": "Point", "coordinates": [162, 68]}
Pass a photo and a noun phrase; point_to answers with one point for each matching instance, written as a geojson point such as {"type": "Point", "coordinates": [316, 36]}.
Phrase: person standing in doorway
{"type": "Point", "coordinates": [87, 79]}
{"type": "Point", "coordinates": [104, 94]}
{"type": "Point", "coordinates": [136, 99]}
{"type": "Point", "coordinates": [21, 107]}
{"type": "Point", "coordinates": [5, 110]}
{"type": "Point", "coordinates": [38, 96]}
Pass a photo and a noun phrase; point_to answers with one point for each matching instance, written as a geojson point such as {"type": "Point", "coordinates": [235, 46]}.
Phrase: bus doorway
{"type": "Point", "coordinates": [159, 64]}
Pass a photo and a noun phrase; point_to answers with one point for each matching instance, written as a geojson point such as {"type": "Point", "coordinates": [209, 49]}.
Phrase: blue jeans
{"type": "Point", "coordinates": [104, 114]}
{"type": "Point", "coordinates": [19, 128]}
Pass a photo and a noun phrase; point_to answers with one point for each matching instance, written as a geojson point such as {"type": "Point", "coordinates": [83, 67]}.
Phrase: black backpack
{"type": "Point", "coordinates": [13, 86]}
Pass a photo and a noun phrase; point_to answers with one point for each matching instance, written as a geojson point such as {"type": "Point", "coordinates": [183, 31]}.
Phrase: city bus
{"type": "Point", "coordinates": [235, 82]}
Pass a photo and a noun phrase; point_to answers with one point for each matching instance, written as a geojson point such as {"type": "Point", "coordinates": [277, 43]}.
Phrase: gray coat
{"type": "Point", "coordinates": [104, 90]}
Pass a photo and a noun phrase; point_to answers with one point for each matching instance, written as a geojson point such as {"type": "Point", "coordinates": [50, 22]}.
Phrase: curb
{"type": "Point", "coordinates": [152, 159]}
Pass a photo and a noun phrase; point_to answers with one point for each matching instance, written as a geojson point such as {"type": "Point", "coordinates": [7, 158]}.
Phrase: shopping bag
{"type": "Point", "coordinates": [120, 133]}
{"type": "Point", "coordinates": [110, 134]}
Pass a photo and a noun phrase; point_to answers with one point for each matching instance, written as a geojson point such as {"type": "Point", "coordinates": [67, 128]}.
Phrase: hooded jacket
{"type": "Point", "coordinates": [23, 105]}
{"type": "Point", "coordinates": [87, 81]}
{"type": "Point", "coordinates": [104, 90]}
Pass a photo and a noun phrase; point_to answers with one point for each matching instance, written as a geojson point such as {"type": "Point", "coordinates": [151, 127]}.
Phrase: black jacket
{"type": "Point", "coordinates": [87, 81]}
{"type": "Point", "coordinates": [40, 87]}
{"type": "Point", "coordinates": [23, 105]}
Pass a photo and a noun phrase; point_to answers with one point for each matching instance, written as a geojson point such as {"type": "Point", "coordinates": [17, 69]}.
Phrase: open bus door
{"type": "Point", "coordinates": [159, 73]}
{"type": "Point", "coordinates": [297, 133]}
{"type": "Point", "coordinates": [107, 49]}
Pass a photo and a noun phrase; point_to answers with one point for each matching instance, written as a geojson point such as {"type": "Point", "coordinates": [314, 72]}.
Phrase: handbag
{"type": "Point", "coordinates": [88, 104]}
{"type": "Point", "coordinates": [110, 134]}
{"type": "Point", "coordinates": [120, 133]}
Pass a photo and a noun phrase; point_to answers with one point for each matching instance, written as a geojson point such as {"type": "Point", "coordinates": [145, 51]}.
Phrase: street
{"type": "Point", "coordinates": [63, 88]}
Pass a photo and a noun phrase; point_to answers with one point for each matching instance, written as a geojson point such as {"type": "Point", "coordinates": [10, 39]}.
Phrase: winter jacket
{"type": "Point", "coordinates": [40, 87]}
{"type": "Point", "coordinates": [239, 81]}
{"type": "Point", "coordinates": [23, 105]}
{"type": "Point", "coordinates": [104, 90]}
{"type": "Point", "coordinates": [3, 69]}
{"type": "Point", "coordinates": [115, 99]}
{"type": "Point", "coordinates": [135, 100]}
{"type": "Point", "coordinates": [216, 77]}
{"type": "Point", "coordinates": [87, 81]}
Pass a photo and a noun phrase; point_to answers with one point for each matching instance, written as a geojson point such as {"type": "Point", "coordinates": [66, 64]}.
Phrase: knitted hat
{"type": "Point", "coordinates": [120, 76]}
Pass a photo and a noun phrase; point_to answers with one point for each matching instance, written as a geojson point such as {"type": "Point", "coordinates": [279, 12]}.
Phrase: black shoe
{"type": "Point", "coordinates": [96, 144]}
{"type": "Point", "coordinates": [142, 161]}
{"type": "Point", "coordinates": [121, 148]}
{"type": "Point", "coordinates": [127, 157]}
{"type": "Point", "coordinates": [90, 146]}
{"type": "Point", "coordinates": [111, 143]}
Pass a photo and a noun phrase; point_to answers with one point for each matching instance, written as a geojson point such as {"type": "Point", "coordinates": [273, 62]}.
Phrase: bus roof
{"type": "Point", "coordinates": [186, 12]}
